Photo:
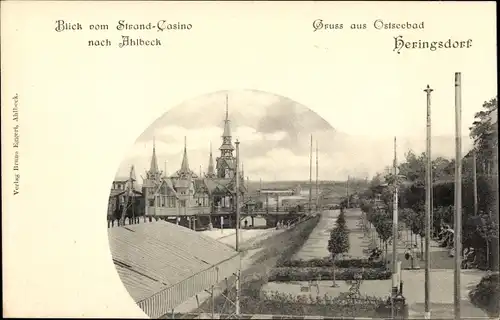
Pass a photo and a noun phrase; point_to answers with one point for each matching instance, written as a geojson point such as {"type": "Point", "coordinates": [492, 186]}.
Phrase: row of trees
{"type": "Point", "coordinates": [480, 228]}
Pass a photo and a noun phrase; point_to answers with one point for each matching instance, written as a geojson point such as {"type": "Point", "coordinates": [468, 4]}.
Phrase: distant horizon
{"type": "Point", "coordinates": [274, 134]}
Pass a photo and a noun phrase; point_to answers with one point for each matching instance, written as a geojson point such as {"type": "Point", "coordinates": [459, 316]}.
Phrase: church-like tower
{"type": "Point", "coordinates": [226, 161]}
{"type": "Point", "coordinates": [154, 173]}
{"type": "Point", "coordinates": [211, 169]}
{"type": "Point", "coordinates": [184, 176]}
{"type": "Point", "coordinates": [152, 181]}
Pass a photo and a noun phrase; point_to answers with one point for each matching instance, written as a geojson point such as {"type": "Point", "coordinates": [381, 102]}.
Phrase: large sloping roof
{"type": "Point", "coordinates": [150, 257]}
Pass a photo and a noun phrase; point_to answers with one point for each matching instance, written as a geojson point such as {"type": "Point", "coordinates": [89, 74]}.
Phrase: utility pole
{"type": "Point", "coordinates": [496, 247]}
{"type": "Point", "coordinates": [432, 201]}
{"type": "Point", "coordinates": [347, 191]}
{"type": "Point", "coordinates": [428, 208]}
{"type": "Point", "coordinates": [237, 194]}
{"type": "Point", "coordinates": [395, 224]}
{"type": "Point", "coordinates": [317, 186]}
{"type": "Point", "coordinates": [310, 175]}
{"type": "Point", "coordinates": [458, 192]}
{"type": "Point", "coordinates": [237, 191]}
{"type": "Point", "coordinates": [474, 178]}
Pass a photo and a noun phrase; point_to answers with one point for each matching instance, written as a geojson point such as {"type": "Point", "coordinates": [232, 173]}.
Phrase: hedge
{"type": "Point", "coordinates": [326, 262]}
{"type": "Point", "coordinates": [284, 274]}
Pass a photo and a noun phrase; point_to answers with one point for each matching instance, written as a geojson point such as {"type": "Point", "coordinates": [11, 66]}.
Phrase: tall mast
{"type": "Point", "coordinates": [310, 174]}
{"type": "Point", "coordinates": [428, 206]}
{"type": "Point", "coordinates": [457, 242]}
{"type": "Point", "coordinates": [317, 182]}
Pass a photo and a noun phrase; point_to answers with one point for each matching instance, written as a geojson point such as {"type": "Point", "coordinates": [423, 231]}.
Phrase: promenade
{"type": "Point", "coordinates": [441, 275]}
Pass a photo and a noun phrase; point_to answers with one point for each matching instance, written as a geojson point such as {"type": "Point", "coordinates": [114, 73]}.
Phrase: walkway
{"type": "Point", "coordinates": [316, 245]}
{"type": "Point", "coordinates": [441, 291]}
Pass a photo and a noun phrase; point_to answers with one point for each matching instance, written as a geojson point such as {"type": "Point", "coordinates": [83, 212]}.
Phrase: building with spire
{"type": "Point", "coordinates": [124, 192]}
{"type": "Point", "coordinates": [200, 198]}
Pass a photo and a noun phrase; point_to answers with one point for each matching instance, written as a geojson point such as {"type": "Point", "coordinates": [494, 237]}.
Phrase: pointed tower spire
{"type": "Point", "coordinates": [153, 168]}
{"type": "Point", "coordinates": [227, 128]}
{"type": "Point", "coordinates": [131, 178]}
{"type": "Point", "coordinates": [210, 170]}
{"type": "Point", "coordinates": [185, 163]}
{"type": "Point", "coordinates": [132, 174]}
{"type": "Point", "coordinates": [227, 146]}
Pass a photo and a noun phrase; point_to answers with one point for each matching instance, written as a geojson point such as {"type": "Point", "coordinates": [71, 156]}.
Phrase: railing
{"type": "Point", "coordinates": [162, 302]}
{"type": "Point", "coordinates": [205, 211]}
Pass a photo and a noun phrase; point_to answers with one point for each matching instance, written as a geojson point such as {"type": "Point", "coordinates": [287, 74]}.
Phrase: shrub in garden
{"type": "Point", "coordinates": [486, 295]}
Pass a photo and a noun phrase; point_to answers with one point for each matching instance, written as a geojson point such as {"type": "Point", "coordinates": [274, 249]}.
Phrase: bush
{"type": "Point", "coordinates": [326, 262]}
{"type": "Point", "coordinates": [325, 273]}
{"type": "Point", "coordinates": [288, 304]}
{"type": "Point", "coordinates": [486, 295]}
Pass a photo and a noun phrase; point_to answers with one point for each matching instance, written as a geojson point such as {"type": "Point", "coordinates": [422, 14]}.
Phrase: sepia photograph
{"type": "Point", "coordinates": [250, 160]}
{"type": "Point", "coordinates": [246, 204]}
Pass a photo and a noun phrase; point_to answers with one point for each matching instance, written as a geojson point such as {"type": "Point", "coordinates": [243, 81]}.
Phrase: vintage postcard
{"type": "Point", "coordinates": [250, 160]}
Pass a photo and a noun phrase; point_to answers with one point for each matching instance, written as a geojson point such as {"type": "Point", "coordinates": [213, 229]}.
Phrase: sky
{"type": "Point", "coordinates": [352, 79]}
{"type": "Point", "coordinates": [274, 134]}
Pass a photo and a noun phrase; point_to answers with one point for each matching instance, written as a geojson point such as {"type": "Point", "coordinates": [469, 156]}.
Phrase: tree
{"type": "Point", "coordinates": [337, 244]}
{"type": "Point", "coordinates": [341, 221]}
{"type": "Point", "coordinates": [485, 135]}
{"type": "Point", "coordinates": [383, 225]}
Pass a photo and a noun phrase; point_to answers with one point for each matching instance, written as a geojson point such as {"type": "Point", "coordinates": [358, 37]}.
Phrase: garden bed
{"type": "Point", "coordinates": [326, 273]}
{"type": "Point", "coordinates": [326, 262]}
{"type": "Point", "coordinates": [304, 305]}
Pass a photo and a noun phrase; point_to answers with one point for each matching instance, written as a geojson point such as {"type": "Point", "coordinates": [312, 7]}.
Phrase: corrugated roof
{"type": "Point", "coordinates": [153, 256]}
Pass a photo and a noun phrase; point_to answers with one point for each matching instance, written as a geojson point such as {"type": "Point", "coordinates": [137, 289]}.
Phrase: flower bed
{"type": "Point", "coordinates": [326, 262]}
{"type": "Point", "coordinates": [326, 273]}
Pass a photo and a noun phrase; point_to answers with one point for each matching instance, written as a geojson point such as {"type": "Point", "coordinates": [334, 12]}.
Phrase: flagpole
{"type": "Point", "coordinates": [458, 193]}
{"type": "Point", "coordinates": [237, 202]}
{"type": "Point", "coordinates": [310, 175]}
{"type": "Point", "coordinates": [395, 224]}
{"type": "Point", "coordinates": [474, 177]}
{"type": "Point", "coordinates": [317, 187]}
{"type": "Point", "coordinates": [428, 208]}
